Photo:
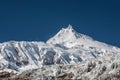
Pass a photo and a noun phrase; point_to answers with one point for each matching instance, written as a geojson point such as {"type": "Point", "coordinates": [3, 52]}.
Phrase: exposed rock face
{"type": "Point", "coordinates": [6, 75]}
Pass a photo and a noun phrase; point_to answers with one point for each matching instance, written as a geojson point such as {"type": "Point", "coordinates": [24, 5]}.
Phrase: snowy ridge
{"type": "Point", "coordinates": [67, 46]}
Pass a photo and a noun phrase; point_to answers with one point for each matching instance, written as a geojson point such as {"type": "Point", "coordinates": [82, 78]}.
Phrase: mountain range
{"type": "Point", "coordinates": [66, 47]}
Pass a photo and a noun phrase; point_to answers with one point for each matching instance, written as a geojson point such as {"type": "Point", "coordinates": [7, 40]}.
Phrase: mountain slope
{"type": "Point", "coordinates": [67, 46]}
{"type": "Point", "coordinates": [102, 68]}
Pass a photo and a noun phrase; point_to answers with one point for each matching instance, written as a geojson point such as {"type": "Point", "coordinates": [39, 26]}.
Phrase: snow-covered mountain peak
{"type": "Point", "coordinates": [67, 30]}
{"type": "Point", "coordinates": [64, 35]}
{"type": "Point", "coordinates": [70, 38]}
{"type": "Point", "coordinates": [70, 31]}
{"type": "Point", "coordinates": [69, 27]}
{"type": "Point", "coordinates": [67, 35]}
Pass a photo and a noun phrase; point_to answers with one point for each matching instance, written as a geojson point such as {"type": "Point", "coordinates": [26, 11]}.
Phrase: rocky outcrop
{"type": "Point", "coordinates": [6, 75]}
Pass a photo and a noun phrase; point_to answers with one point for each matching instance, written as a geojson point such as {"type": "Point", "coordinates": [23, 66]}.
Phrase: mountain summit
{"type": "Point", "coordinates": [69, 26]}
{"type": "Point", "coordinates": [66, 35]}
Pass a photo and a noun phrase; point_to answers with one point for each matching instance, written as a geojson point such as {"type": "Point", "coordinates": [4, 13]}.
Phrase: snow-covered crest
{"type": "Point", "coordinates": [66, 35]}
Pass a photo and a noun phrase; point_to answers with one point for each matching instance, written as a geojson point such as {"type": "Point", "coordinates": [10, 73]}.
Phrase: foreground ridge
{"type": "Point", "coordinates": [103, 68]}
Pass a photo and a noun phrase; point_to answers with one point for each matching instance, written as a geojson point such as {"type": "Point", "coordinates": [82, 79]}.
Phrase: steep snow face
{"type": "Point", "coordinates": [67, 46]}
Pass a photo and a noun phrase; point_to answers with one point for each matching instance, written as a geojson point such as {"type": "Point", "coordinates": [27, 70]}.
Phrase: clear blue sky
{"type": "Point", "coordinates": [41, 19]}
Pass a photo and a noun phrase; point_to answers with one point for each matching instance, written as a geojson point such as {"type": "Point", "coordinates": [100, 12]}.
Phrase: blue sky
{"type": "Point", "coordinates": [41, 19]}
